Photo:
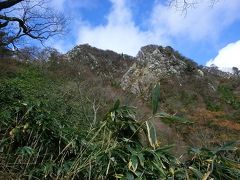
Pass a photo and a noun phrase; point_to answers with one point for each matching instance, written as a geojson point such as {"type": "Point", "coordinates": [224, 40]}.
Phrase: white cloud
{"type": "Point", "coordinates": [227, 57]}
{"type": "Point", "coordinates": [200, 23]}
{"type": "Point", "coordinates": [164, 25]}
{"type": "Point", "coordinates": [120, 33]}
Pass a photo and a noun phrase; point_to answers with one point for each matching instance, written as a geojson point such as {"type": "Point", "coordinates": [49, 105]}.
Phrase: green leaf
{"type": "Point", "coordinates": [167, 118]}
{"type": "Point", "coordinates": [141, 159]}
{"type": "Point", "coordinates": [129, 176]}
{"type": "Point", "coordinates": [132, 127]}
{"type": "Point", "coordinates": [113, 116]}
{"type": "Point", "coordinates": [159, 168]}
{"type": "Point", "coordinates": [118, 176]}
{"type": "Point", "coordinates": [155, 98]}
{"type": "Point", "coordinates": [196, 172]}
{"type": "Point", "coordinates": [230, 146]}
{"type": "Point", "coordinates": [26, 150]}
{"type": "Point", "coordinates": [116, 105]}
{"type": "Point", "coordinates": [133, 163]}
{"type": "Point", "coordinates": [165, 148]}
{"type": "Point", "coordinates": [3, 143]}
{"type": "Point", "coordinates": [152, 135]}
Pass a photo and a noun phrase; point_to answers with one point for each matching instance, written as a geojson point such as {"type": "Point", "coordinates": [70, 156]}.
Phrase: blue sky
{"type": "Point", "coordinates": [208, 35]}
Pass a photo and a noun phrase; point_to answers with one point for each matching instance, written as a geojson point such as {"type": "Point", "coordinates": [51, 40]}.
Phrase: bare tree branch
{"type": "Point", "coordinates": [8, 3]}
{"type": "Point", "coordinates": [30, 18]}
{"type": "Point", "coordinates": [4, 24]}
{"type": "Point", "coordinates": [184, 5]}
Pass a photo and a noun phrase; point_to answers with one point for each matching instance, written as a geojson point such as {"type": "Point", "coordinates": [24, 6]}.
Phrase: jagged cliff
{"type": "Point", "coordinates": [203, 94]}
{"type": "Point", "coordinates": [153, 64]}
{"type": "Point", "coordinates": [156, 63]}
{"type": "Point", "coordinates": [102, 62]}
{"type": "Point", "coordinates": [183, 81]}
{"type": "Point", "coordinates": [138, 74]}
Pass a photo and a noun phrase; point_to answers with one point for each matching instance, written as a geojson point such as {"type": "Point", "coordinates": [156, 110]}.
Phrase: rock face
{"type": "Point", "coordinates": [180, 77]}
{"type": "Point", "coordinates": [184, 85]}
{"type": "Point", "coordinates": [102, 62]}
{"type": "Point", "coordinates": [187, 90]}
{"type": "Point", "coordinates": [153, 64]}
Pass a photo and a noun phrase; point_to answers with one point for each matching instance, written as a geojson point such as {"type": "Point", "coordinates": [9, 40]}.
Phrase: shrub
{"type": "Point", "coordinates": [51, 132]}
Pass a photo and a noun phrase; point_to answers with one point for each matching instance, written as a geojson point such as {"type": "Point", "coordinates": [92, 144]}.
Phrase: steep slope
{"type": "Point", "coordinates": [102, 62]}
{"type": "Point", "coordinates": [108, 68]}
{"type": "Point", "coordinates": [53, 129]}
{"type": "Point", "coordinates": [180, 77]}
{"type": "Point", "coordinates": [206, 95]}
{"type": "Point", "coordinates": [155, 63]}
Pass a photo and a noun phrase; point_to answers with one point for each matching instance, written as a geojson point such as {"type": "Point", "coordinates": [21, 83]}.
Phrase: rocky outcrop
{"type": "Point", "coordinates": [101, 61]}
{"type": "Point", "coordinates": [153, 64]}
{"type": "Point", "coordinates": [215, 71]}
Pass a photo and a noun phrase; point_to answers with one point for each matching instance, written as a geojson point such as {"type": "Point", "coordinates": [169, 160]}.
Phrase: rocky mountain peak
{"type": "Point", "coordinates": [101, 61]}
{"type": "Point", "coordinates": [151, 53]}
{"type": "Point", "coordinates": [153, 64]}
{"type": "Point", "coordinates": [148, 49]}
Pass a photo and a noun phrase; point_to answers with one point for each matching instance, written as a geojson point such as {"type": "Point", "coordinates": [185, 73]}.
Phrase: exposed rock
{"type": "Point", "coordinates": [153, 64]}
{"type": "Point", "coordinates": [217, 72]}
{"type": "Point", "coordinates": [103, 62]}
{"type": "Point", "coordinates": [200, 73]}
{"type": "Point", "coordinates": [181, 77]}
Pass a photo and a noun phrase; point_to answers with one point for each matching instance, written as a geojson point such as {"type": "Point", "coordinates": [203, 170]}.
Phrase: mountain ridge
{"type": "Point", "coordinates": [204, 94]}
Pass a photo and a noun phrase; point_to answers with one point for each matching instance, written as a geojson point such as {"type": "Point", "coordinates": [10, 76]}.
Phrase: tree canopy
{"type": "Point", "coordinates": [29, 18]}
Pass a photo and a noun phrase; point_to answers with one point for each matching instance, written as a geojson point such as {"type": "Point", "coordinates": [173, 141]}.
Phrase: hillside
{"type": "Point", "coordinates": [88, 114]}
{"type": "Point", "coordinates": [207, 96]}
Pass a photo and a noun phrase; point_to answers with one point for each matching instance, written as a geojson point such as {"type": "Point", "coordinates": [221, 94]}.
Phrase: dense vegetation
{"type": "Point", "coordinates": [53, 127]}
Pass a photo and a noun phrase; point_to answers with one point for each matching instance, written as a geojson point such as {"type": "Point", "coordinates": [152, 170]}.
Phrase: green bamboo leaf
{"type": "Point", "coordinates": [196, 172]}
{"type": "Point", "coordinates": [167, 118]}
{"type": "Point", "coordinates": [159, 168]}
{"type": "Point", "coordinates": [129, 176]}
{"type": "Point", "coordinates": [116, 105]}
{"type": "Point", "coordinates": [118, 176]}
{"type": "Point", "coordinates": [155, 98]}
{"type": "Point", "coordinates": [164, 148]}
{"type": "Point", "coordinates": [26, 150]}
{"type": "Point", "coordinates": [3, 143]}
{"type": "Point", "coordinates": [113, 115]}
{"type": "Point", "coordinates": [229, 146]}
{"type": "Point", "coordinates": [152, 135]}
{"type": "Point", "coordinates": [133, 163]}
{"type": "Point", "coordinates": [141, 159]}
{"type": "Point", "coordinates": [206, 175]}
{"type": "Point", "coordinates": [133, 128]}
